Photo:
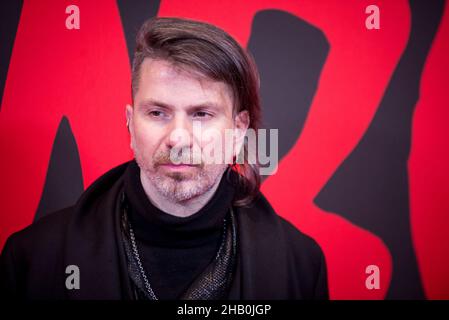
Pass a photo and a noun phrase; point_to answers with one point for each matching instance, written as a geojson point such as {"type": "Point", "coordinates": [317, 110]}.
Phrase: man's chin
{"type": "Point", "coordinates": [180, 188]}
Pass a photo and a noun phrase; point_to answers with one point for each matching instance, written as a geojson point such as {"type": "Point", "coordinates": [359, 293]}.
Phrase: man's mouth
{"type": "Point", "coordinates": [177, 167]}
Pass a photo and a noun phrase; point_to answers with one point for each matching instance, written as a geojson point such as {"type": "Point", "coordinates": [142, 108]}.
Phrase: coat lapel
{"type": "Point", "coordinates": [91, 241]}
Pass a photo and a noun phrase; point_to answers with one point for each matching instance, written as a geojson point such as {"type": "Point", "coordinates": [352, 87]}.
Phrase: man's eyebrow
{"type": "Point", "coordinates": [205, 105]}
{"type": "Point", "coordinates": [202, 105]}
{"type": "Point", "coordinates": [154, 103]}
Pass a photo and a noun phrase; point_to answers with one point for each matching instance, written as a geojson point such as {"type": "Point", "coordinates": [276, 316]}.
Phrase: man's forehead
{"type": "Point", "coordinates": [161, 80]}
{"type": "Point", "coordinates": [164, 69]}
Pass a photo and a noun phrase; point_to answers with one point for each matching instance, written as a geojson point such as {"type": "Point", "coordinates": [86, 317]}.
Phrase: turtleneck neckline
{"type": "Point", "coordinates": [156, 227]}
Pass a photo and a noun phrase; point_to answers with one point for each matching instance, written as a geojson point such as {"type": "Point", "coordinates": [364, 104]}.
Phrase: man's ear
{"type": "Point", "coordinates": [129, 115]}
{"type": "Point", "coordinates": [129, 118]}
{"type": "Point", "coordinates": [241, 123]}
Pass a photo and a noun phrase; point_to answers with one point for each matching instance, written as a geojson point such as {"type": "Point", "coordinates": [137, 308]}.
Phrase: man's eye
{"type": "Point", "coordinates": [156, 113]}
{"type": "Point", "coordinates": [201, 114]}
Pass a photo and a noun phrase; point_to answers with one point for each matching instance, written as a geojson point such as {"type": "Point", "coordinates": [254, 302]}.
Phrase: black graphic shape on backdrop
{"type": "Point", "coordinates": [133, 14]}
{"type": "Point", "coordinates": [370, 188]}
{"type": "Point", "coordinates": [9, 21]}
{"type": "Point", "coordinates": [64, 182]}
{"type": "Point", "coordinates": [290, 54]}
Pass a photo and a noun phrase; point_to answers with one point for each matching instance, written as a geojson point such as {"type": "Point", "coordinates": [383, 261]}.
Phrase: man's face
{"type": "Point", "coordinates": [168, 102]}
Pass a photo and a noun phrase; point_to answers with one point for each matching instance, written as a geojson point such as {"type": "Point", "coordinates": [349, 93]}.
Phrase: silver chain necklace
{"type": "Point", "coordinates": [139, 262]}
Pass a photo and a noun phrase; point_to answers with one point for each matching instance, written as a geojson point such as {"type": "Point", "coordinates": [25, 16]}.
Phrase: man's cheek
{"type": "Point", "coordinates": [141, 149]}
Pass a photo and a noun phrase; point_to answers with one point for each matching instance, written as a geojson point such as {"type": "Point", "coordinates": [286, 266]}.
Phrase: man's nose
{"type": "Point", "coordinates": [180, 132]}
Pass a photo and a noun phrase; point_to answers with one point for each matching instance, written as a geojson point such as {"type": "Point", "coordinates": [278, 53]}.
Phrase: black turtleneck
{"type": "Point", "coordinates": [175, 250]}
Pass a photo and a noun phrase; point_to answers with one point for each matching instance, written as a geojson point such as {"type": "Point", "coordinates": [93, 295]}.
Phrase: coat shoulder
{"type": "Point", "coordinates": [262, 213]}
{"type": "Point", "coordinates": [301, 243]}
{"type": "Point", "coordinates": [305, 258]}
{"type": "Point", "coordinates": [46, 234]}
{"type": "Point", "coordinates": [30, 262]}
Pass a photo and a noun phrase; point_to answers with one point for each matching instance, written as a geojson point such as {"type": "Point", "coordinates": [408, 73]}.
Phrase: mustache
{"type": "Point", "coordinates": [184, 156]}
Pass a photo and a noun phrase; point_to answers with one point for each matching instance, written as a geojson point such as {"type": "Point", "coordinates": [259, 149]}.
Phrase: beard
{"type": "Point", "coordinates": [174, 185]}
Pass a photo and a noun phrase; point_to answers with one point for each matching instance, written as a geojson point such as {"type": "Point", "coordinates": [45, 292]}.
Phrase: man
{"type": "Point", "coordinates": [172, 224]}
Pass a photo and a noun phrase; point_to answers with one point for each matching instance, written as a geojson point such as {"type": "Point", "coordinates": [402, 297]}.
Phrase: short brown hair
{"type": "Point", "coordinates": [213, 53]}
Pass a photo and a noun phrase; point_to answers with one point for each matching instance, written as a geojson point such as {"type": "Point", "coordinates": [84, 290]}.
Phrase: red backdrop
{"type": "Point", "coordinates": [84, 75]}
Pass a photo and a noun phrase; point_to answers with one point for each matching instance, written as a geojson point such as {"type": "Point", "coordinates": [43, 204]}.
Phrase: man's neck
{"type": "Point", "coordinates": [179, 209]}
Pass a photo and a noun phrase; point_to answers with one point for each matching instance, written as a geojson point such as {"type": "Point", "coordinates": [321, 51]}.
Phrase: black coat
{"type": "Point", "coordinates": [275, 260]}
